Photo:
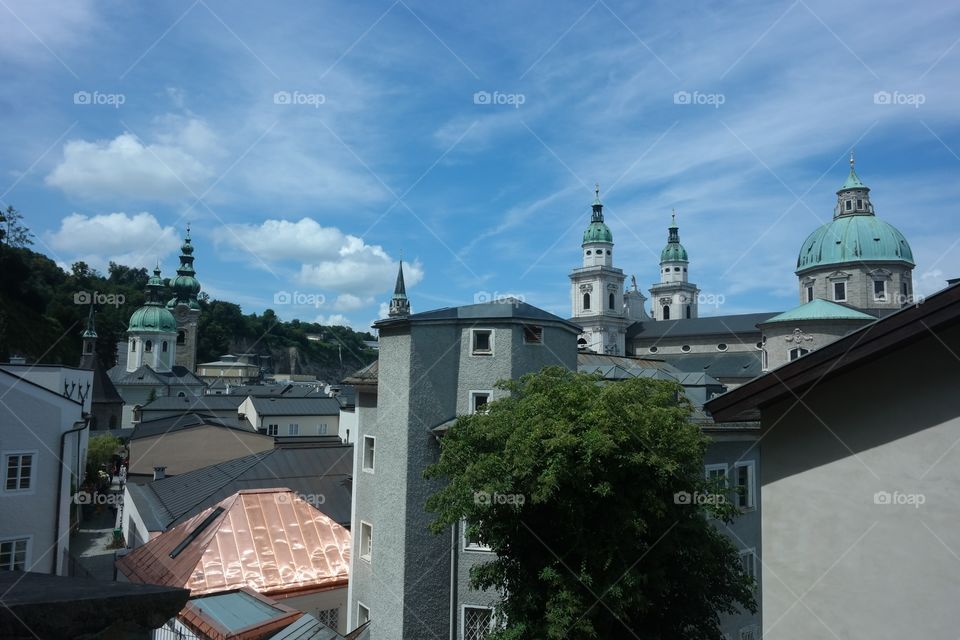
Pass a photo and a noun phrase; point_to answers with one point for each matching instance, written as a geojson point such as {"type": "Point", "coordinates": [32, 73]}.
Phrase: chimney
{"type": "Point", "coordinates": [159, 473]}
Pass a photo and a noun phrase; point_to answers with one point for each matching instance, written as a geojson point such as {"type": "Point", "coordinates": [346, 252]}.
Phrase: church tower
{"type": "Point", "coordinates": [88, 357]}
{"type": "Point", "coordinates": [399, 304]}
{"type": "Point", "coordinates": [597, 290]}
{"type": "Point", "coordinates": [185, 307]}
{"type": "Point", "coordinates": [674, 298]}
{"type": "Point", "coordinates": [152, 331]}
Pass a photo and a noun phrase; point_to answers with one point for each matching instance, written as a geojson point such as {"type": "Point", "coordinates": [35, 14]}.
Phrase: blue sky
{"type": "Point", "coordinates": [311, 144]}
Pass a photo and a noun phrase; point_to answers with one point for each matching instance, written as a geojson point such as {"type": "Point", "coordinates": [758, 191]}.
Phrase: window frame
{"type": "Point", "coordinates": [275, 428]}
{"type": "Point", "coordinates": [752, 553]}
{"type": "Point", "coordinates": [471, 546]}
{"type": "Point", "coordinates": [473, 394]}
{"type": "Point", "coordinates": [362, 618]}
{"type": "Point", "coordinates": [366, 557]}
{"type": "Point", "coordinates": [293, 426]}
{"type": "Point", "coordinates": [799, 351]}
{"type": "Point", "coordinates": [32, 481]}
{"type": "Point", "coordinates": [536, 330]}
{"type": "Point", "coordinates": [463, 617]}
{"type": "Point", "coordinates": [481, 353]}
{"type": "Point", "coordinates": [751, 495]}
{"type": "Point", "coordinates": [707, 468]}
{"type": "Point", "coordinates": [843, 284]}
{"type": "Point", "coordinates": [373, 454]}
{"type": "Point", "coordinates": [27, 553]}
{"type": "Point", "coordinates": [882, 297]}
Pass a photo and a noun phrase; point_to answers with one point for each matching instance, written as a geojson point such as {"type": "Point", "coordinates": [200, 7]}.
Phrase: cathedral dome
{"type": "Point", "coordinates": [863, 238]}
{"type": "Point", "coordinates": [152, 319]}
{"type": "Point", "coordinates": [674, 252]}
{"type": "Point", "coordinates": [597, 232]}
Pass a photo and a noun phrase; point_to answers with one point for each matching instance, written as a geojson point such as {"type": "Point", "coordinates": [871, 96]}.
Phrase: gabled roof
{"type": "Point", "coordinates": [324, 406]}
{"type": "Point", "coordinates": [316, 470]}
{"type": "Point", "coordinates": [146, 375]}
{"type": "Point", "coordinates": [183, 421]}
{"type": "Point", "coordinates": [365, 376]}
{"type": "Point", "coordinates": [856, 349]}
{"type": "Point", "coordinates": [818, 309]}
{"type": "Point", "coordinates": [269, 540]}
{"type": "Point", "coordinates": [506, 309]}
{"type": "Point", "coordinates": [708, 325]}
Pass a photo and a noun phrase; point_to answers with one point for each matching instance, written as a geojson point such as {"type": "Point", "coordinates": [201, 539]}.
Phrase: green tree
{"type": "Point", "coordinates": [574, 485]}
{"type": "Point", "coordinates": [100, 450]}
{"type": "Point", "coordinates": [13, 232]}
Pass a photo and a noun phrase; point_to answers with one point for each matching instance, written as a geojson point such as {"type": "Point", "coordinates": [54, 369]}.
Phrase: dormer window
{"type": "Point", "coordinates": [849, 205]}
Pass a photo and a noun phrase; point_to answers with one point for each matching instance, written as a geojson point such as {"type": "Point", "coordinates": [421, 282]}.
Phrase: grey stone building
{"type": "Point", "coordinates": [432, 367]}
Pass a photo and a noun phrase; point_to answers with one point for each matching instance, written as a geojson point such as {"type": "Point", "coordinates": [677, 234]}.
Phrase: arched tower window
{"type": "Point", "coordinates": [88, 348]}
{"type": "Point", "coordinates": [666, 312]}
{"type": "Point", "coordinates": [586, 301]}
{"type": "Point", "coordinates": [164, 347]}
{"type": "Point", "coordinates": [148, 346]}
{"type": "Point", "coordinates": [133, 345]}
{"type": "Point", "coordinates": [688, 312]}
{"type": "Point", "coordinates": [612, 300]}
{"type": "Point", "coordinates": [181, 336]}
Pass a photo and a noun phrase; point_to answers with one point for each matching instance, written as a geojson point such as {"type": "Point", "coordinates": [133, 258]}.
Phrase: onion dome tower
{"type": "Point", "coordinates": [674, 298]}
{"type": "Point", "coordinates": [856, 259]}
{"type": "Point", "coordinates": [596, 292]}
{"type": "Point", "coordinates": [152, 331]}
{"type": "Point", "coordinates": [185, 306]}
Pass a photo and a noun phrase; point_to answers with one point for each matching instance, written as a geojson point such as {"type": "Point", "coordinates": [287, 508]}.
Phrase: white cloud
{"type": "Point", "coordinates": [335, 319]}
{"type": "Point", "coordinates": [349, 302]}
{"type": "Point", "coordinates": [329, 259]}
{"type": "Point", "coordinates": [135, 240]}
{"type": "Point", "coordinates": [171, 168]}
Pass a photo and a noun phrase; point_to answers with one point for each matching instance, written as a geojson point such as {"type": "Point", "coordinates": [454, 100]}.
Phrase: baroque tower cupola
{"type": "Point", "coordinates": [185, 306]}
{"type": "Point", "coordinates": [674, 297]}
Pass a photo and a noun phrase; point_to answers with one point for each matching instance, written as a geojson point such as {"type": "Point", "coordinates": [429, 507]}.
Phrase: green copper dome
{"type": "Point", "coordinates": [185, 286]}
{"type": "Point", "coordinates": [674, 251]}
{"type": "Point", "coordinates": [598, 231]}
{"type": "Point", "coordinates": [856, 238]}
{"type": "Point", "coordinates": [153, 317]}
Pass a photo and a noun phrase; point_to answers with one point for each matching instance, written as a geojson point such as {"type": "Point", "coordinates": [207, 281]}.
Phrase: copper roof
{"type": "Point", "coordinates": [269, 540]}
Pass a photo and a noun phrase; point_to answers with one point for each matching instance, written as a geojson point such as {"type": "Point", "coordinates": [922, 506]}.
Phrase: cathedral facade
{"type": "Point", "coordinates": [850, 271]}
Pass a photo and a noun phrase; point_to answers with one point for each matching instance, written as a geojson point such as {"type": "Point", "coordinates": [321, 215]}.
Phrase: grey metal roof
{"type": "Point", "coordinates": [366, 375]}
{"type": "Point", "coordinates": [324, 406]}
{"type": "Point", "coordinates": [706, 326]}
{"type": "Point", "coordinates": [320, 473]}
{"type": "Point", "coordinates": [508, 308]}
{"type": "Point", "coordinates": [275, 390]}
{"type": "Point", "coordinates": [177, 376]}
{"type": "Point", "coordinates": [744, 365]}
{"type": "Point", "coordinates": [183, 421]}
{"type": "Point", "coordinates": [194, 403]}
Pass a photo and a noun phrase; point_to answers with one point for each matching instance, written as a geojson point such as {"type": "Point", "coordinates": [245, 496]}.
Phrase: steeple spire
{"type": "Point", "coordinates": [88, 358]}
{"type": "Point", "coordinates": [399, 304]}
{"type": "Point", "coordinates": [597, 215]}
{"type": "Point", "coordinates": [91, 330]}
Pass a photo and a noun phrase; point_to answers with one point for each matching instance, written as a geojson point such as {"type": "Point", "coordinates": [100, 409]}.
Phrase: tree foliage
{"type": "Point", "coordinates": [101, 449]}
{"type": "Point", "coordinates": [573, 484]}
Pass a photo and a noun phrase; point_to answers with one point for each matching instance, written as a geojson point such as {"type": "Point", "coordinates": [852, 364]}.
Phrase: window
{"type": "Point", "coordinates": [322, 429]}
{"type": "Point", "coordinates": [479, 401]}
{"type": "Point", "coordinates": [471, 543]}
{"type": "Point", "coordinates": [849, 205]}
{"type": "Point", "coordinates": [366, 540]}
{"type": "Point", "coordinates": [181, 337]}
{"type": "Point", "coordinates": [716, 473]}
{"type": "Point", "coordinates": [764, 363]}
{"type": "Point", "coordinates": [810, 293]}
{"type": "Point", "coordinates": [19, 472]}
{"type": "Point", "coordinates": [133, 345]}
{"type": "Point", "coordinates": [273, 429]}
{"type": "Point", "coordinates": [859, 203]}
{"type": "Point", "coordinates": [688, 312]}
{"type": "Point", "coordinates": [748, 563]}
{"type": "Point", "coordinates": [477, 622]}
{"type": "Point", "coordinates": [532, 334]}
{"type": "Point", "coordinates": [148, 346]}
{"type": "Point", "coordinates": [798, 352]}
{"type": "Point", "coordinates": [181, 394]}
{"type": "Point", "coordinates": [666, 312]}
{"type": "Point", "coordinates": [87, 348]}
{"type": "Point", "coordinates": [586, 301]}
{"type": "Point", "coordinates": [743, 473]}
{"type": "Point", "coordinates": [880, 290]}
{"type": "Point", "coordinates": [369, 445]}
{"type": "Point", "coordinates": [840, 291]}
{"type": "Point", "coordinates": [13, 554]}
{"type": "Point", "coordinates": [164, 346]}
{"type": "Point", "coordinates": [363, 613]}
{"type": "Point", "coordinates": [685, 348]}
{"type": "Point", "coordinates": [588, 251]}
{"type": "Point", "coordinates": [654, 349]}
{"type": "Point", "coordinates": [721, 347]}
{"type": "Point", "coordinates": [329, 617]}
{"type": "Point", "coordinates": [293, 429]}
{"type": "Point", "coordinates": [676, 269]}
{"type": "Point", "coordinates": [612, 300]}
{"type": "Point", "coordinates": [749, 633]}
{"type": "Point", "coordinates": [482, 341]}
